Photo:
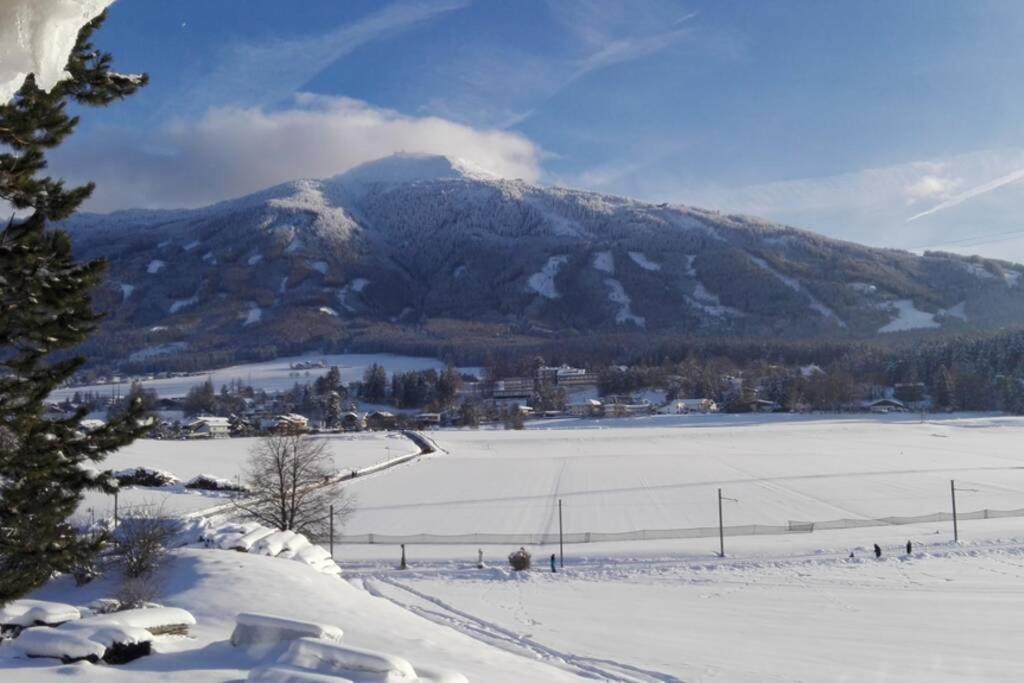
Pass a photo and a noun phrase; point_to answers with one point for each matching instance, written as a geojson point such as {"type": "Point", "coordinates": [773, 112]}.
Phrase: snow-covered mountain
{"type": "Point", "coordinates": [430, 244]}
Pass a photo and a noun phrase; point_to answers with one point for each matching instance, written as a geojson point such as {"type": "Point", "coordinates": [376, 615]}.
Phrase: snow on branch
{"type": "Point", "coordinates": [37, 36]}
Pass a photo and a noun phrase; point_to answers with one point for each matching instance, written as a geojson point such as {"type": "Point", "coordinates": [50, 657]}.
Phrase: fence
{"type": "Point", "coordinates": [665, 534]}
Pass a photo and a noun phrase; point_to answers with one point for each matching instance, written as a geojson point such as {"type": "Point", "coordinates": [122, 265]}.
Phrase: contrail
{"type": "Point", "coordinates": [971, 193]}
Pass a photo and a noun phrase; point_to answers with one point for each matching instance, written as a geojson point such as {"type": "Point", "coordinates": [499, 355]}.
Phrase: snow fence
{"type": "Point", "coordinates": [792, 527]}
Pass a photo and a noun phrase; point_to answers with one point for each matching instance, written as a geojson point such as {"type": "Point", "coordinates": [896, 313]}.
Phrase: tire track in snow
{"type": "Point", "coordinates": [441, 612]}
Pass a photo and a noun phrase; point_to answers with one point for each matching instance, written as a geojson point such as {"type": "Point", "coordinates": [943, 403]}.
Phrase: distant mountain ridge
{"type": "Point", "coordinates": [427, 243]}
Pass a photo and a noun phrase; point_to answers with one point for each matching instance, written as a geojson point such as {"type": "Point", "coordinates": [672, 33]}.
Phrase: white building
{"type": "Point", "coordinates": [684, 406]}
{"type": "Point", "coordinates": [589, 408]}
{"type": "Point", "coordinates": [207, 427]}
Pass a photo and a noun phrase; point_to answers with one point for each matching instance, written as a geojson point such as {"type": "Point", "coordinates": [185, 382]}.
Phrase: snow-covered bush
{"type": "Point", "coordinates": [144, 476]}
{"type": "Point", "coordinates": [520, 560]}
{"type": "Point", "coordinates": [141, 542]}
{"type": "Point", "coordinates": [207, 482]}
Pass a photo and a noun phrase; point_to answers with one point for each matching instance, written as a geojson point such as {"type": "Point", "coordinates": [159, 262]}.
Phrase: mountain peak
{"type": "Point", "coordinates": [410, 168]}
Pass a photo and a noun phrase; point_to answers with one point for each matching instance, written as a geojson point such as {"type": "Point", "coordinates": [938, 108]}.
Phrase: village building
{"type": "Point", "coordinates": [685, 406]}
{"type": "Point", "coordinates": [208, 427]}
{"type": "Point", "coordinates": [381, 419]}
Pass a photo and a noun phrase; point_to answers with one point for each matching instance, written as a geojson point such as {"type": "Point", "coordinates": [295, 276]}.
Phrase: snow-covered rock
{"type": "Point", "coordinates": [261, 631]}
{"type": "Point", "coordinates": [156, 620]}
{"type": "Point", "coordinates": [280, 673]}
{"type": "Point", "coordinates": [27, 612]}
{"type": "Point", "coordinates": [56, 643]}
{"type": "Point", "coordinates": [342, 660]}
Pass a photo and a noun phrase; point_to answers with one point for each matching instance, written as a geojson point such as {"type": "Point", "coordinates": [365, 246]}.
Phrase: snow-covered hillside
{"type": "Point", "coordinates": [412, 238]}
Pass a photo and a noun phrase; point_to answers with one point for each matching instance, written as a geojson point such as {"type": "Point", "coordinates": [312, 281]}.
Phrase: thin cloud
{"type": "Point", "coordinates": [252, 74]}
{"type": "Point", "coordinates": [508, 86]}
{"type": "Point", "coordinates": [231, 151]}
{"type": "Point", "coordinates": [984, 188]}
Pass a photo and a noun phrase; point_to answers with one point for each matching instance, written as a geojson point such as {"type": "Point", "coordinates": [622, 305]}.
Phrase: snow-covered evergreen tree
{"type": "Point", "coordinates": [45, 308]}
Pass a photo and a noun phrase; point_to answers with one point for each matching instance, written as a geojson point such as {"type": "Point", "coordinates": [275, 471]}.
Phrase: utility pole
{"type": "Point", "coordinates": [952, 494]}
{"type": "Point", "coordinates": [332, 532]}
{"type": "Point", "coordinates": [115, 508]}
{"type": "Point", "coordinates": [561, 543]}
{"type": "Point", "coordinates": [721, 526]}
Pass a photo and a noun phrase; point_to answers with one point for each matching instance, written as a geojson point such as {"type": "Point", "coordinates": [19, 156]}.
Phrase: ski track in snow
{"type": "Point", "coordinates": [438, 611]}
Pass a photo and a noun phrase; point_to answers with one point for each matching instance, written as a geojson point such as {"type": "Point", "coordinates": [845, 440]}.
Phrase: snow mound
{"type": "Point", "coordinates": [290, 674]}
{"type": "Point", "coordinates": [152, 619]}
{"type": "Point", "coordinates": [37, 36]}
{"type": "Point", "coordinates": [260, 540]}
{"type": "Point", "coordinates": [255, 631]}
{"type": "Point", "coordinates": [116, 638]}
{"type": "Point", "coordinates": [65, 645]}
{"type": "Point", "coordinates": [341, 660]}
{"type": "Point", "coordinates": [32, 612]}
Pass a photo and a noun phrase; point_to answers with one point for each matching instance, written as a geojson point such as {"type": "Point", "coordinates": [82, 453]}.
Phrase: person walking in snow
{"type": "Point", "coordinates": [910, 548]}
{"type": "Point", "coordinates": [553, 570]}
{"type": "Point", "coordinates": [878, 552]}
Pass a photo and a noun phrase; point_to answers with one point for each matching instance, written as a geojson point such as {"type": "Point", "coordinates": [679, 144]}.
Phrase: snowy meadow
{"type": "Point", "coordinates": [804, 605]}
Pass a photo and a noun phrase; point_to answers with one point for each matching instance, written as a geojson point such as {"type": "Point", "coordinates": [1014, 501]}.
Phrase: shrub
{"type": "Point", "coordinates": [520, 560]}
{"type": "Point", "coordinates": [144, 476]}
{"type": "Point", "coordinates": [141, 542]}
{"type": "Point", "coordinates": [206, 482]}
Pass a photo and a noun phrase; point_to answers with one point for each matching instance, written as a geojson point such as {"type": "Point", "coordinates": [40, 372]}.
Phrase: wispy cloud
{"type": "Point", "coordinates": [506, 85]}
{"type": "Point", "coordinates": [867, 205]}
{"type": "Point", "coordinates": [232, 151]}
{"type": "Point", "coordinates": [266, 72]}
{"type": "Point", "coordinates": [976, 191]}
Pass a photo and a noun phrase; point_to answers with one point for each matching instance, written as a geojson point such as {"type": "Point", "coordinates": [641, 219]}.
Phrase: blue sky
{"type": "Point", "coordinates": [890, 123]}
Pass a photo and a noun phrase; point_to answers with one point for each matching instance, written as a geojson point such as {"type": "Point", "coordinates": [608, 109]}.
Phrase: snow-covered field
{"type": "Point", "coordinates": [226, 459]}
{"type": "Point", "coordinates": [276, 375]}
{"type": "Point", "coordinates": [777, 607]}
{"type": "Point", "coordinates": [663, 472]}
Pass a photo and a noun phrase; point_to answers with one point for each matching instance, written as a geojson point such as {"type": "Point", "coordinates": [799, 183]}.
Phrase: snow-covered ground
{"type": "Point", "coordinates": [226, 459]}
{"type": "Point", "coordinates": [793, 606]}
{"type": "Point", "coordinates": [216, 585]}
{"type": "Point", "coordinates": [277, 375]}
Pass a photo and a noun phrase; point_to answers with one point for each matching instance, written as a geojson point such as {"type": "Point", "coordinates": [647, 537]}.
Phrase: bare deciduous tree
{"type": "Point", "coordinates": [292, 484]}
